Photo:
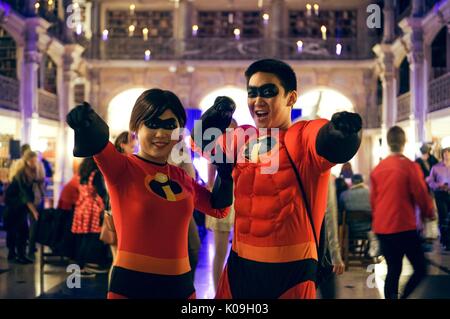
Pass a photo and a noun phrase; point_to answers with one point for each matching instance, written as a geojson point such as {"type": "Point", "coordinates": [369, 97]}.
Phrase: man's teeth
{"type": "Point", "coordinates": [261, 113]}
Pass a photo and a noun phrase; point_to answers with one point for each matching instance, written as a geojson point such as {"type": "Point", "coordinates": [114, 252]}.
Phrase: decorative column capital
{"type": "Point", "coordinates": [416, 57]}
{"type": "Point", "coordinates": [33, 57]}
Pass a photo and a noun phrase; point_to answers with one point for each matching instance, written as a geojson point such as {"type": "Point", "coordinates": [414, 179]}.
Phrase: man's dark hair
{"type": "Point", "coordinates": [280, 69]}
{"type": "Point", "coordinates": [396, 138]}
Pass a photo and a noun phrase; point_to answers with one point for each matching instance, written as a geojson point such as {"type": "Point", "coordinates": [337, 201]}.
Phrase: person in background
{"type": "Point", "coordinates": [357, 198]}
{"type": "Point", "coordinates": [427, 160]}
{"type": "Point", "coordinates": [327, 287]}
{"type": "Point", "coordinates": [38, 190]}
{"type": "Point", "coordinates": [439, 181]}
{"type": "Point", "coordinates": [126, 143]}
{"type": "Point", "coordinates": [86, 225]}
{"type": "Point", "coordinates": [397, 186]}
{"type": "Point", "coordinates": [66, 203]}
{"type": "Point", "coordinates": [346, 171]}
{"type": "Point", "coordinates": [341, 186]}
{"type": "Point", "coordinates": [19, 199]}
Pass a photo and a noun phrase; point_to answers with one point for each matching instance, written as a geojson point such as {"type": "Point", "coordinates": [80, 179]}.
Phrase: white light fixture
{"type": "Point", "coordinates": [79, 29]}
{"type": "Point", "coordinates": [266, 18]}
{"type": "Point", "coordinates": [131, 29]}
{"type": "Point", "coordinates": [36, 7]}
{"type": "Point", "coordinates": [260, 3]}
{"type": "Point", "coordinates": [316, 9]}
{"type": "Point", "coordinates": [308, 9]}
{"type": "Point", "coordinates": [230, 18]}
{"type": "Point", "coordinates": [237, 34]}
{"type": "Point", "coordinates": [323, 29]}
{"type": "Point", "coordinates": [172, 69]}
{"type": "Point", "coordinates": [105, 35]}
{"type": "Point", "coordinates": [299, 46]}
{"type": "Point", "coordinates": [338, 49]}
{"type": "Point", "coordinates": [190, 68]}
{"type": "Point", "coordinates": [145, 34]}
{"type": "Point", "coordinates": [147, 55]}
{"type": "Point", "coordinates": [132, 8]}
{"type": "Point", "coordinates": [194, 30]}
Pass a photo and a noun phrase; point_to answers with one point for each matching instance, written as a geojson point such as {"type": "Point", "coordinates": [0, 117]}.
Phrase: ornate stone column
{"type": "Point", "coordinates": [34, 30]}
{"type": "Point", "coordinates": [66, 78]}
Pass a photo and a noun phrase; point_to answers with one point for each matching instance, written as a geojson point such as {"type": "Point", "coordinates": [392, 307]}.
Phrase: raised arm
{"type": "Point", "coordinates": [215, 203]}
{"type": "Point", "coordinates": [92, 139]}
{"type": "Point", "coordinates": [91, 132]}
{"type": "Point", "coordinates": [339, 140]}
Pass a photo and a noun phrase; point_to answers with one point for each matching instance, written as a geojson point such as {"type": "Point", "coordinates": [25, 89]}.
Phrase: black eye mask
{"type": "Point", "coordinates": [156, 123]}
{"type": "Point", "coordinates": [265, 91]}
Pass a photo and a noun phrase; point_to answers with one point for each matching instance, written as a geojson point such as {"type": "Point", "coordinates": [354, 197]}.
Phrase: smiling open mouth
{"type": "Point", "coordinates": [261, 114]}
{"type": "Point", "coordinates": [160, 144]}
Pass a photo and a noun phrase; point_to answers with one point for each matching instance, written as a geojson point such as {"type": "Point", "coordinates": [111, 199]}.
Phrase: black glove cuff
{"type": "Point", "coordinates": [91, 140]}
{"type": "Point", "coordinates": [334, 147]}
{"type": "Point", "coordinates": [222, 193]}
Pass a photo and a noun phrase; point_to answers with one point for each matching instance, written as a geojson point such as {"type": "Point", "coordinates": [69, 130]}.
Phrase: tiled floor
{"type": "Point", "coordinates": [23, 281]}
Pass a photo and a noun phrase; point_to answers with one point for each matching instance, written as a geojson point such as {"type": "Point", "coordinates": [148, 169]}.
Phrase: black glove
{"type": "Point", "coordinates": [219, 116]}
{"type": "Point", "coordinates": [339, 140]}
{"type": "Point", "coordinates": [91, 132]}
{"type": "Point", "coordinates": [222, 193]}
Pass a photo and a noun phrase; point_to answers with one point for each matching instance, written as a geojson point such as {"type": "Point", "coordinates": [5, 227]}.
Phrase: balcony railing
{"type": "Point", "coordinates": [439, 93]}
{"type": "Point", "coordinates": [403, 106]}
{"type": "Point", "coordinates": [438, 72]}
{"type": "Point", "coordinates": [126, 48]}
{"type": "Point", "coordinates": [48, 105]}
{"type": "Point", "coordinates": [373, 116]}
{"type": "Point", "coordinates": [9, 93]}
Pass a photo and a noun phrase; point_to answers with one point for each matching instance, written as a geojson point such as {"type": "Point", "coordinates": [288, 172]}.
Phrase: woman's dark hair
{"type": "Point", "coordinates": [87, 166]}
{"type": "Point", "coordinates": [122, 138]}
{"type": "Point", "coordinates": [154, 102]}
{"type": "Point", "coordinates": [281, 70]}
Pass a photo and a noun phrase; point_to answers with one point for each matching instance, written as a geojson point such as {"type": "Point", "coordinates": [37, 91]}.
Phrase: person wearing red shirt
{"type": "Point", "coordinates": [274, 251]}
{"type": "Point", "coordinates": [397, 186]}
{"type": "Point", "coordinates": [152, 200]}
{"type": "Point", "coordinates": [69, 194]}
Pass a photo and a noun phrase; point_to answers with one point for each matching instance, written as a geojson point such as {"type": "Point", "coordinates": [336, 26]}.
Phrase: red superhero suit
{"type": "Point", "coordinates": [273, 252]}
{"type": "Point", "coordinates": [152, 205]}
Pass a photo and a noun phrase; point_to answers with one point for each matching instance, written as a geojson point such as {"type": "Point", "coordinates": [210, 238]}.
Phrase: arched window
{"type": "Point", "coordinates": [403, 77]}
{"type": "Point", "coordinates": [8, 62]}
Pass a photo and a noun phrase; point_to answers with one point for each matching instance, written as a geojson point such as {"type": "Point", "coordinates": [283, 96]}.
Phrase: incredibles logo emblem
{"type": "Point", "coordinates": [160, 184]}
{"type": "Point", "coordinates": [255, 149]}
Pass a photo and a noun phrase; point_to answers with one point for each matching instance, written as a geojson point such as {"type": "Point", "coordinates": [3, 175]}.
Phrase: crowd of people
{"type": "Point", "coordinates": [285, 226]}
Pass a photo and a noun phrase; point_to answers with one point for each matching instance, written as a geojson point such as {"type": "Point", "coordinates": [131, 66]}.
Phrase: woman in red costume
{"type": "Point", "coordinates": [152, 200]}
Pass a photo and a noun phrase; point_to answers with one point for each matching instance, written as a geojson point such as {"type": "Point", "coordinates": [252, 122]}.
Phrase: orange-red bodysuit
{"type": "Point", "coordinates": [273, 252]}
{"type": "Point", "coordinates": [152, 205]}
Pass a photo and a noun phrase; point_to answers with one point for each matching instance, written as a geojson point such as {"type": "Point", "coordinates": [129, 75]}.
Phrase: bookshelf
{"type": "Point", "coordinates": [8, 62]}
{"type": "Point", "coordinates": [159, 23]}
{"type": "Point", "coordinates": [221, 24]}
{"type": "Point", "coordinates": [47, 75]}
{"type": "Point", "coordinates": [339, 24]}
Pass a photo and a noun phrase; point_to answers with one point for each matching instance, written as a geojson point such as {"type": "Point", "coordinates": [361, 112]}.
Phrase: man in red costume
{"type": "Point", "coordinates": [274, 254]}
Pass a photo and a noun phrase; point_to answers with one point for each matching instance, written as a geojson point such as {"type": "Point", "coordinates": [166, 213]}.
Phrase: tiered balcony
{"type": "Point", "coordinates": [48, 105]}
{"type": "Point", "coordinates": [9, 93]}
{"type": "Point", "coordinates": [403, 106]}
{"type": "Point", "coordinates": [128, 48]}
{"type": "Point", "coordinates": [439, 93]}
